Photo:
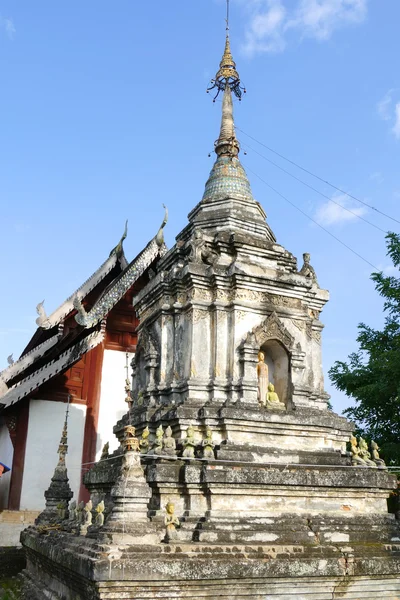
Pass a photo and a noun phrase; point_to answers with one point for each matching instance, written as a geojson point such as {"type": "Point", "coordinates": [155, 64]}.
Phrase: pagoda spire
{"type": "Point", "coordinates": [227, 144]}
{"type": "Point", "coordinates": [59, 492]}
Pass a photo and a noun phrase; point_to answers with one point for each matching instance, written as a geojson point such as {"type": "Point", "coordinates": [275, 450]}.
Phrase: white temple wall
{"type": "Point", "coordinates": [46, 421]}
{"type": "Point", "coordinates": [112, 397]}
{"type": "Point", "coordinates": [6, 457]}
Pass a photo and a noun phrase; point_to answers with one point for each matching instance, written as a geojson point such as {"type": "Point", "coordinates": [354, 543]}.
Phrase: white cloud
{"type": "Point", "coordinates": [271, 21]}
{"type": "Point", "coordinates": [330, 213]}
{"type": "Point", "coordinates": [7, 25]}
{"type": "Point", "coordinates": [265, 32]}
{"type": "Point", "coordinates": [384, 106]}
{"type": "Point", "coordinates": [396, 126]}
{"type": "Point", "coordinates": [319, 18]}
{"type": "Point", "coordinates": [389, 111]}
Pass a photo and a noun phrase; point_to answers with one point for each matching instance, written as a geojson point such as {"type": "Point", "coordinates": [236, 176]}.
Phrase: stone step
{"type": "Point", "coordinates": [306, 588]}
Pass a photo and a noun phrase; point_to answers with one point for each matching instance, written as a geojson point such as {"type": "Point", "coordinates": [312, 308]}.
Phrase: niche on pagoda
{"type": "Point", "coordinates": [270, 346]}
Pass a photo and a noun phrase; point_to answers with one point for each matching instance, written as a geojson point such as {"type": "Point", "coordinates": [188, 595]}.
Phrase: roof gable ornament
{"type": "Point", "coordinates": [119, 287]}
{"type": "Point", "coordinates": [119, 247]}
{"type": "Point", "coordinates": [42, 318]}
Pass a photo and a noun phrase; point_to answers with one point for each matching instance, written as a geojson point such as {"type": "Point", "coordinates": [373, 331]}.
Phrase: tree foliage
{"type": "Point", "coordinates": [371, 376]}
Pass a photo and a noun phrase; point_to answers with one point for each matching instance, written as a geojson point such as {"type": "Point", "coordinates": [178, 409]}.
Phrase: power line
{"type": "Point", "coordinates": [313, 220]}
{"type": "Point", "coordinates": [320, 178]}
{"type": "Point", "coordinates": [317, 191]}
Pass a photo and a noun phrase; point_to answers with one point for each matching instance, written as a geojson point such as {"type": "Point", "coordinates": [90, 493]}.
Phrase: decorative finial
{"type": "Point", "coordinates": [227, 75]}
{"type": "Point", "coordinates": [10, 359]}
{"type": "Point", "coordinates": [160, 234]}
{"type": "Point", "coordinates": [118, 248]}
{"type": "Point", "coordinates": [42, 314]}
{"type": "Point", "coordinates": [63, 446]}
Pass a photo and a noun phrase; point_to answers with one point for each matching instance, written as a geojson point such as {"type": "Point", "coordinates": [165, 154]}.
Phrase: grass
{"type": "Point", "coordinates": [10, 589]}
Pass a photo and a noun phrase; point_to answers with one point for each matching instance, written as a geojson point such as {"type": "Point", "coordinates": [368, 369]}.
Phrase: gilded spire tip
{"type": "Point", "coordinates": [227, 75]}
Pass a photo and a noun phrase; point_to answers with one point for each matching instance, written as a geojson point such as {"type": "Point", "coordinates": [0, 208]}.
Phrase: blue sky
{"type": "Point", "coordinates": [104, 117]}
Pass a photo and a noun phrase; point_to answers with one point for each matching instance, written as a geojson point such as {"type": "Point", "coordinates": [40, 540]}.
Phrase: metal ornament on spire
{"type": "Point", "coordinates": [227, 75]}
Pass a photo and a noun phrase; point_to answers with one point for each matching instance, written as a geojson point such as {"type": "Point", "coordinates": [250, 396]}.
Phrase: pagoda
{"type": "Point", "coordinates": [232, 478]}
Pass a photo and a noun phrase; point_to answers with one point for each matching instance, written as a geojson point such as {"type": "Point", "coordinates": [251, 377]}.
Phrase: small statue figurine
{"type": "Point", "coordinates": [307, 270]}
{"type": "Point", "coordinates": [72, 511]}
{"type": "Point", "coordinates": [169, 444]}
{"type": "Point", "coordinates": [208, 444]}
{"type": "Point", "coordinates": [87, 511]}
{"type": "Point", "coordinates": [105, 452]}
{"type": "Point", "coordinates": [262, 374]}
{"type": "Point", "coordinates": [100, 514]}
{"type": "Point", "coordinates": [189, 443]}
{"type": "Point", "coordinates": [375, 456]}
{"type": "Point", "coordinates": [62, 510]}
{"type": "Point", "coordinates": [144, 441]}
{"type": "Point", "coordinates": [158, 442]}
{"type": "Point", "coordinates": [171, 522]}
{"type": "Point", "coordinates": [273, 398]}
{"type": "Point", "coordinates": [128, 393]}
{"type": "Point", "coordinates": [79, 513]}
{"type": "Point", "coordinates": [130, 442]}
{"type": "Point", "coordinates": [355, 453]}
{"type": "Point", "coordinates": [364, 453]}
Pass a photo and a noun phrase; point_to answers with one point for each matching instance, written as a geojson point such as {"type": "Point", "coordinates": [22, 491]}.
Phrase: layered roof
{"type": "Point", "coordinates": [50, 352]}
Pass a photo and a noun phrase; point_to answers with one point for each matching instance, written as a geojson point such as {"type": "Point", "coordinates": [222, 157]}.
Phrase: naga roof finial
{"type": "Point", "coordinates": [160, 233]}
{"type": "Point", "coordinates": [118, 248]}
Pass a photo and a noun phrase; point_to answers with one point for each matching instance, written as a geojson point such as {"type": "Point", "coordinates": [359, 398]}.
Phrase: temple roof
{"type": "Point", "coordinates": [56, 352]}
{"type": "Point", "coordinates": [33, 381]}
{"type": "Point", "coordinates": [116, 256]}
{"type": "Point", "coordinates": [118, 288]}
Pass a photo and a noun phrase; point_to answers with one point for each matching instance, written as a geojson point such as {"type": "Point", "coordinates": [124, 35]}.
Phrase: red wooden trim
{"type": "Point", "coordinates": [17, 471]}
{"type": "Point", "coordinates": [91, 390]}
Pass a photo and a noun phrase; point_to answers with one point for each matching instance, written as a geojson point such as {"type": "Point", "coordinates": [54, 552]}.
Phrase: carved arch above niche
{"type": "Point", "coordinates": [271, 328]}
{"type": "Point", "coordinates": [147, 343]}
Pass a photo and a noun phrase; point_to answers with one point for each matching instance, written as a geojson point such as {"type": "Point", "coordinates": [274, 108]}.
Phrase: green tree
{"type": "Point", "coordinates": [371, 376]}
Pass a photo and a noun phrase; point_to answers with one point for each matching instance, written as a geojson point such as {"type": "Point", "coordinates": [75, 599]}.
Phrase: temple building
{"type": "Point", "coordinates": [80, 352]}
{"type": "Point", "coordinates": [230, 477]}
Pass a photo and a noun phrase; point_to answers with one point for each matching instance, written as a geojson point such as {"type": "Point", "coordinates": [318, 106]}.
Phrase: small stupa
{"type": "Point", "coordinates": [233, 477]}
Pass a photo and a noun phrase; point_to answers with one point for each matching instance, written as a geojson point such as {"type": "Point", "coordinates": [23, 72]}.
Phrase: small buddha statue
{"type": "Point", "coordinates": [62, 510]}
{"type": "Point", "coordinates": [87, 511]}
{"type": "Point", "coordinates": [72, 511]}
{"type": "Point", "coordinates": [208, 444]}
{"type": "Point", "coordinates": [273, 398]}
{"type": "Point", "coordinates": [86, 517]}
{"type": "Point", "coordinates": [365, 454]}
{"type": "Point", "coordinates": [262, 375]}
{"type": "Point", "coordinates": [169, 444]}
{"type": "Point", "coordinates": [79, 513]}
{"type": "Point", "coordinates": [355, 453]}
{"type": "Point", "coordinates": [144, 441]}
{"type": "Point", "coordinates": [171, 522]}
{"type": "Point", "coordinates": [158, 442]}
{"type": "Point", "coordinates": [375, 456]}
{"type": "Point", "coordinates": [189, 443]}
{"type": "Point", "coordinates": [100, 514]}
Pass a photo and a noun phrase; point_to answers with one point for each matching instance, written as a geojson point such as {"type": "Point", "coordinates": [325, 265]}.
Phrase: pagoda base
{"type": "Point", "coordinates": [64, 567]}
